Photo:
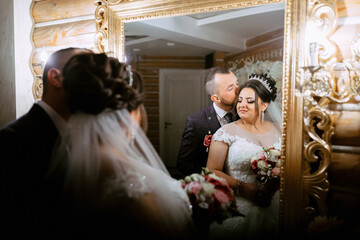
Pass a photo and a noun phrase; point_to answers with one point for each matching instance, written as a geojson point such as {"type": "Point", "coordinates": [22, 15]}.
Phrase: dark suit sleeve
{"type": "Point", "coordinates": [188, 153]}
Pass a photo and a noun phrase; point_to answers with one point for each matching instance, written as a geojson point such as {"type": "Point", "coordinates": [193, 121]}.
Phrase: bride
{"type": "Point", "coordinates": [115, 184]}
{"type": "Point", "coordinates": [231, 149]}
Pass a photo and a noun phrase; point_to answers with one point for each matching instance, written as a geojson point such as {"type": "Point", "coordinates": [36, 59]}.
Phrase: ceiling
{"type": "Point", "coordinates": [202, 34]}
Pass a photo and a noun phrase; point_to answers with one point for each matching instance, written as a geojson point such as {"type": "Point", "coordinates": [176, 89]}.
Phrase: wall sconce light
{"type": "Point", "coordinates": [314, 55]}
{"type": "Point", "coordinates": [318, 78]}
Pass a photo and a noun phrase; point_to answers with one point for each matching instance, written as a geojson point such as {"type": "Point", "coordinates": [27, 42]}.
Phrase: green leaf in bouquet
{"type": "Point", "coordinates": [205, 171]}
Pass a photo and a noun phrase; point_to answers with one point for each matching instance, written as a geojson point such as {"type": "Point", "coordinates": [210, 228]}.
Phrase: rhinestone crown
{"type": "Point", "coordinates": [262, 80]}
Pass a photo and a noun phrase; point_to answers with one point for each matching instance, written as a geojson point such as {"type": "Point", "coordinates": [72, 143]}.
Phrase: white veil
{"type": "Point", "coordinates": [112, 144]}
{"type": "Point", "coordinates": [273, 114]}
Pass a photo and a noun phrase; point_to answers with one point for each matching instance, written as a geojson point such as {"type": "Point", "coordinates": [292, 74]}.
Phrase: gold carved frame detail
{"type": "Point", "coordinates": [319, 87]}
{"type": "Point", "coordinates": [306, 123]}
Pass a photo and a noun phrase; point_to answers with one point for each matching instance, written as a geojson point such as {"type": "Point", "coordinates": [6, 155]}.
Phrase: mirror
{"type": "Point", "coordinates": [172, 53]}
{"type": "Point", "coordinates": [112, 16]}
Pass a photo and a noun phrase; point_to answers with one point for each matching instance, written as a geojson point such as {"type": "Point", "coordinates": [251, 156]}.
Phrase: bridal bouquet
{"type": "Point", "coordinates": [266, 164]}
{"type": "Point", "coordinates": [211, 197]}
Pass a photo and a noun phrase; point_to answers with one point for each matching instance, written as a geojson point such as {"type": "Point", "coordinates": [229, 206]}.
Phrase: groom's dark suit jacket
{"type": "Point", "coordinates": [192, 154]}
{"type": "Point", "coordinates": [26, 145]}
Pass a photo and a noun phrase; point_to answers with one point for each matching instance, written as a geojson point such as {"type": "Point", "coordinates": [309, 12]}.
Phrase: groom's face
{"type": "Point", "coordinates": [227, 88]}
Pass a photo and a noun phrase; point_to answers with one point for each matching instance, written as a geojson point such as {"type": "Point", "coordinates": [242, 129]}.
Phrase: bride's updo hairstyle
{"type": "Point", "coordinates": [95, 82]}
{"type": "Point", "coordinates": [264, 87]}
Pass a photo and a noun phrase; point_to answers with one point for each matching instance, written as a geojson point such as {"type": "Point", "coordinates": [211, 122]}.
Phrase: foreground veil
{"type": "Point", "coordinates": [273, 114]}
{"type": "Point", "coordinates": [112, 144]}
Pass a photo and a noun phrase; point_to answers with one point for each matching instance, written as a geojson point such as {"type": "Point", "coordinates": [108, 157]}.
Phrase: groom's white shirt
{"type": "Point", "coordinates": [220, 114]}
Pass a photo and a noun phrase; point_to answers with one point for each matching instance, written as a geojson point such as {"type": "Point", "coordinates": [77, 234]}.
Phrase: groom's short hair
{"type": "Point", "coordinates": [210, 86]}
{"type": "Point", "coordinates": [58, 60]}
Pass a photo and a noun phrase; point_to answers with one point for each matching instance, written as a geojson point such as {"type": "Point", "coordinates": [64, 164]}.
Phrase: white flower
{"type": "Point", "coordinates": [197, 177]}
{"type": "Point", "coordinates": [255, 157]}
{"type": "Point", "coordinates": [212, 175]}
{"type": "Point", "coordinates": [208, 188]}
{"type": "Point", "coordinates": [274, 152]}
{"type": "Point", "coordinates": [204, 205]}
{"type": "Point", "coordinates": [278, 163]}
{"type": "Point", "coordinates": [187, 179]}
{"type": "Point", "coordinates": [262, 165]}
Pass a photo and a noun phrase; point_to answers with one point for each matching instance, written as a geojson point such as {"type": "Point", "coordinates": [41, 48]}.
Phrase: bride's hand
{"type": "Point", "coordinates": [264, 198]}
{"type": "Point", "coordinates": [259, 196]}
{"type": "Point", "coordinates": [249, 191]}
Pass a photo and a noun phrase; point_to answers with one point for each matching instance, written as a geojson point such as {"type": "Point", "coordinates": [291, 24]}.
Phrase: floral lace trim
{"type": "Point", "coordinates": [222, 136]}
{"type": "Point", "coordinates": [132, 185]}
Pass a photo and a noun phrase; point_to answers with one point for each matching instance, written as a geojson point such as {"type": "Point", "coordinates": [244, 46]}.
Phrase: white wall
{"type": "Point", "coordinates": [23, 77]}
{"type": "Point", "coordinates": [7, 63]}
{"type": "Point", "coordinates": [15, 49]}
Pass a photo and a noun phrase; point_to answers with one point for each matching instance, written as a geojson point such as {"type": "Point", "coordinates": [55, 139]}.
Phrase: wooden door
{"type": "Point", "coordinates": [182, 93]}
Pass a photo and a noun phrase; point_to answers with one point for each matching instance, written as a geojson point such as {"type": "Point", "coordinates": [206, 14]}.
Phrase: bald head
{"type": "Point", "coordinates": [58, 60]}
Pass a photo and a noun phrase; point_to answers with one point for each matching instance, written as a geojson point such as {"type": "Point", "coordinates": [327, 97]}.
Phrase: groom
{"type": "Point", "coordinates": [222, 86]}
{"type": "Point", "coordinates": [26, 145]}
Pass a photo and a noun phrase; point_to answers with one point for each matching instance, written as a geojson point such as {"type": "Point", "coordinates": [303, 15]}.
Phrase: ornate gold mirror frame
{"type": "Point", "coordinates": [306, 123]}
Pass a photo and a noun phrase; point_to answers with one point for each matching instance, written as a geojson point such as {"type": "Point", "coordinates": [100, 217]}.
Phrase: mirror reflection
{"type": "Point", "coordinates": [173, 53]}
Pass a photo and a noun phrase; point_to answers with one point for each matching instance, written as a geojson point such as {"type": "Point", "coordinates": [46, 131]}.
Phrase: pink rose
{"type": "Point", "coordinates": [262, 156]}
{"type": "Point", "coordinates": [221, 197]}
{"type": "Point", "coordinates": [275, 172]}
{"type": "Point", "coordinates": [194, 187]}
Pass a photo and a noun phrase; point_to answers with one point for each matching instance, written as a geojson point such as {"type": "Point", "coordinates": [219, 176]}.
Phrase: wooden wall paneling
{"type": "Point", "coordinates": [348, 8]}
{"type": "Point", "coordinates": [344, 194]}
{"type": "Point", "coordinates": [171, 64]}
{"type": "Point", "coordinates": [74, 33]}
{"type": "Point", "coordinates": [50, 10]}
{"type": "Point", "coordinates": [151, 87]}
{"type": "Point", "coordinates": [150, 79]}
{"type": "Point", "coordinates": [148, 72]}
{"type": "Point", "coordinates": [219, 58]}
{"type": "Point", "coordinates": [151, 95]}
{"type": "Point", "coordinates": [152, 111]}
{"type": "Point", "coordinates": [341, 165]}
{"type": "Point", "coordinates": [347, 128]}
{"type": "Point", "coordinates": [171, 58]}
{"type": "Point", "coordinates": [151, 104]}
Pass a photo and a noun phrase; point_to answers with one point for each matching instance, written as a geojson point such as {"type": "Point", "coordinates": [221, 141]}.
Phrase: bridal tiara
{"type": "Point", "coordinates": [262, 80]}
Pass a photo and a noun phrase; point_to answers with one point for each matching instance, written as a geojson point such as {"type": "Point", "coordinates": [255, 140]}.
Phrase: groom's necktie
{"type": "Point", "coordinates": [229, 117]}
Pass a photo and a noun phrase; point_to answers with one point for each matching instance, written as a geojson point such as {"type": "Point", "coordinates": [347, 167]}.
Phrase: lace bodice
{"type": "Point", "coordinates": [242, 146]}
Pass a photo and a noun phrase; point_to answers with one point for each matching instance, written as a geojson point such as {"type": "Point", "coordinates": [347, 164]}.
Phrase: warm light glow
{"type": "Point", "coordinates": [43, 57]}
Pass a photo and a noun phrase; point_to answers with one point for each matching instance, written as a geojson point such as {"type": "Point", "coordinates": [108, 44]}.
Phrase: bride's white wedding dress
{"type": "Point", "coordinates": [258, 221]}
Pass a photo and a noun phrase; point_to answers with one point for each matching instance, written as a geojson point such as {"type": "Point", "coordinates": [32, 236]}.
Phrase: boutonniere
{"type": "Point", "coordinates": [207, 140]}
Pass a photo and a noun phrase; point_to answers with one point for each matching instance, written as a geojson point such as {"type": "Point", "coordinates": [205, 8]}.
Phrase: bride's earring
{"type": "Point", "coordinates": [262, 116]}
